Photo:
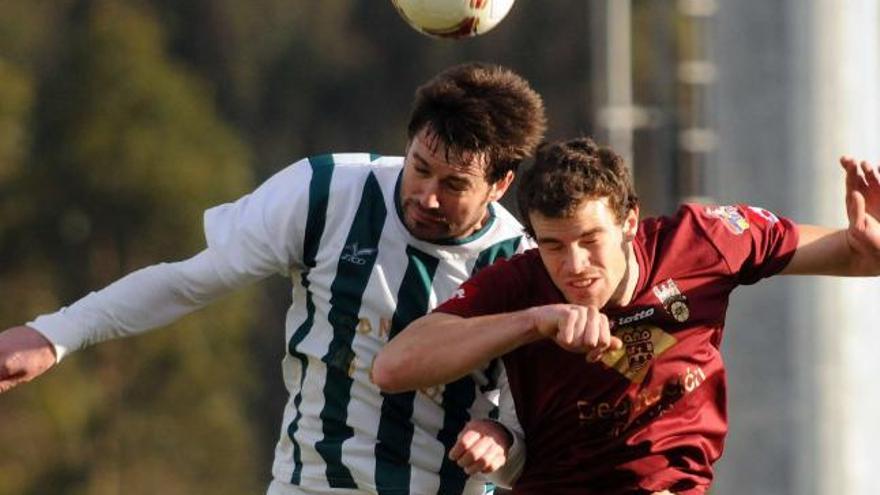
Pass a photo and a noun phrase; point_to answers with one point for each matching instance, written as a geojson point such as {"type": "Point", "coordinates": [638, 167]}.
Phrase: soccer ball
{"type": "Point", "coordinates": [453, 18]}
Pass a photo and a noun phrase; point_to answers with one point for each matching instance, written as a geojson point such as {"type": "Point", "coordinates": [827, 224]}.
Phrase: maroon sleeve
{"type": "Point", "coordinates": [754, 242]}
{"type": "Point", "coordinates": [493, 290]}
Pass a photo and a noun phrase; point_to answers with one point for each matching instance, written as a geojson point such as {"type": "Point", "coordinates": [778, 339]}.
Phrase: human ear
{"type": "Point", "coordinates": [631, 224]}
{"type": "Point", "coordinates": [501, 186]}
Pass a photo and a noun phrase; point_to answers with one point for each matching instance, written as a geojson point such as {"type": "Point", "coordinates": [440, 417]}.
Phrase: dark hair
{"type": "Point", "coordinates": [566, 173]}
{"type": "Point", "coordinates": [484, 109]}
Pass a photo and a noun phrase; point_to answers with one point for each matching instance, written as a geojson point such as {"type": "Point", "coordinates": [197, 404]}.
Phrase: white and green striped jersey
{"type": "Point", "coordinates": [333, 224]}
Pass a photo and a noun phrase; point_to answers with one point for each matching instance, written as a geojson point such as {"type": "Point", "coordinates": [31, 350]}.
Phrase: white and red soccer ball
{"type": "Point", "coordinates": [453, 18]}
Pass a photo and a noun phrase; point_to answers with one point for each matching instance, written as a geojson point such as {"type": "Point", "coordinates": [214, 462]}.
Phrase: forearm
{"type": "Point", "coordinates": [441, 348]}
{"type": "Point", "coordinates": [148, 298]}
{"type": "Point", "coordinates": [825, 251]}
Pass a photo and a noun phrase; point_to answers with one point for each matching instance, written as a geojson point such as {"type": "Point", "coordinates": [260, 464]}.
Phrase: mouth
{"type": "Point", "coordinates": [583, 284]}
{"type": "Point", "coordinates": [420, 216]}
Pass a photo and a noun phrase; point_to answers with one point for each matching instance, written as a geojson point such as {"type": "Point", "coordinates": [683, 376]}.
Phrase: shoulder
{"type": "Point", "coordinates": [339, 176]}
{"type": "Point", "coordinates": [678, 242]}
{"type": "Point", "coordinates": [728, 237]}
{"type": "Point", "coordinates": [731, 224]}
{"type": "Point", "coordinates": [521, 267]}
{"type": "Point", "coordinates": [349, 167]}
{"type": "Point", "coordinates": [697, 221]}
{"type": "Point", "coordinates": [505, 224]}
{"type": "Point", "coordinates": [507, 285]}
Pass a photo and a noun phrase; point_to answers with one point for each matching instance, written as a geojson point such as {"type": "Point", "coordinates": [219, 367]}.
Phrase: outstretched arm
{"type": "Point", "coordinates": [440, 348]}
{"type": "Point", "coordinates": [854, 251]}
{"type": "Point", "coordinates": [148, 298]}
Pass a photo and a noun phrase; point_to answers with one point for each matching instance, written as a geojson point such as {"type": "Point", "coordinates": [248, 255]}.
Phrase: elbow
{"type": "Point", "coordinates": [388, 372]}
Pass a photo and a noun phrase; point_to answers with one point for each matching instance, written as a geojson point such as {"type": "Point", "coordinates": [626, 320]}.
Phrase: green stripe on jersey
{"type": "Point", "coordinates": [458, 397]}
{"type": "Point", "coordinates": [394, 438]}
{"type": "Point", "coordinates": [352, 274]}
{"type": "Point", "coordinates": [504, 249]}
{"type": "Point", "coordinates": [319, 193]}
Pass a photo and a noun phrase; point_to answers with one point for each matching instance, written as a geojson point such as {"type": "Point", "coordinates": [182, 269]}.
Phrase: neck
{"type": "Point", "coordinates": [627, 286]}
{"type": "Point", "coordinates": [479, 225]}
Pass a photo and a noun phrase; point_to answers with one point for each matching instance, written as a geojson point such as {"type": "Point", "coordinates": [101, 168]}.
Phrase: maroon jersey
{"type": "Point", "coordinates": [652, 416]}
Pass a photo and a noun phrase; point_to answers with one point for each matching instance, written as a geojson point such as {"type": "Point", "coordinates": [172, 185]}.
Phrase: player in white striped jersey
{"type": "Point", "coordinates": [370, 243]}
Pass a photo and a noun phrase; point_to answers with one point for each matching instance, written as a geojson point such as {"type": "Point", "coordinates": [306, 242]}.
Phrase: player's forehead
{"type": "Point", "coordinates": [428, 149]}
{"type": "Point", "coordinates": [583, 218]}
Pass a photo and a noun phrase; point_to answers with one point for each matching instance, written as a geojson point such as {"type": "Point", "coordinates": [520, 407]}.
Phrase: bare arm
{"type": "Point", "coordinates": [440, 348]}
{"type": "Point", "coordinates": [854, 251]}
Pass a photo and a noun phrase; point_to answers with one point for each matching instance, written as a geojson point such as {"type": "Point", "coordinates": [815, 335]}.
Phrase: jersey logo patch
{"type": "Point", "coordinates": [637, 316]}
{"type": "Point", "coordinates": [672, 300]}
{"type": "Point", "coordinates": [356, 256]}
{"type": "Point", "coordinates": [731, 217]}
{"type": "Point", "coordinates": [641, 345]}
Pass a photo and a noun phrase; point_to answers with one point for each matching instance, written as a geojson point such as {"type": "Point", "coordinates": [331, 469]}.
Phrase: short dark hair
{"type": "Point", "coordinates": [566, 173]}
{"type": "Point", "coordinates": [484, 109]}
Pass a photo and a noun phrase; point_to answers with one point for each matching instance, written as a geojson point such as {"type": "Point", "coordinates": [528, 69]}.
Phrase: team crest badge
{"type": "Point", "coordinates": [730, 215]}
{"type": "Point", "coordinates": [641, 346]}
{"type": "Point", "coordinates": [673, 300]}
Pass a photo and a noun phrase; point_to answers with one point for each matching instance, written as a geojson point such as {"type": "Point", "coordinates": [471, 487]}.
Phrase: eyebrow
{"type": "Point", "coordinates": [419, 158]}
{"type": "Point", "coordinates": [586, 233]}
{"type": "Point", "coordinates": [457, 180]}
{"type": "Point", "coordinates": [463, 178]}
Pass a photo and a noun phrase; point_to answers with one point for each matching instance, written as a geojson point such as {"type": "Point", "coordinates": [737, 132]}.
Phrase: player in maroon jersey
{"type": "Point", "coordinates": [645, 300]}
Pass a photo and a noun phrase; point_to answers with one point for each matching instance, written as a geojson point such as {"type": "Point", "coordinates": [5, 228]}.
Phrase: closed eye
{"type": "Point", "coordinates": [550, 245]}
{"type": "Point", "coordinates": [457, 186]}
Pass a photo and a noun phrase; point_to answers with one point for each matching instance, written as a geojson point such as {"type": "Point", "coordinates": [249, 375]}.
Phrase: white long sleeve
{"type": "Point", "coordinates": [258, 235]}
{"type": "Point", "coordinates": [145, 299]}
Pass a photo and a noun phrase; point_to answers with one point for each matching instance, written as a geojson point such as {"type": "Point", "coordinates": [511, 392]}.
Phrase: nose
{"type": "Point", "coordinates": [428, 198]}
{"type": "Point", "coordinates": [577, 260]}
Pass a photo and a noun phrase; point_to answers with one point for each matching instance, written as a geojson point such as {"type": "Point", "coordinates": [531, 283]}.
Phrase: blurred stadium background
{"type": "Point", "coordinates": [121, 120]}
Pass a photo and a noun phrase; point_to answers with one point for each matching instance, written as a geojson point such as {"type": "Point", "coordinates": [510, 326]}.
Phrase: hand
{"type": "Point", "coordinates": [863, 210]}
{"type": "Point", "coordinates": [576, 328]}
{"type": "Point", "coordinates": [481, 447]}
{"type": "Point", "coordinates": [24, 355]}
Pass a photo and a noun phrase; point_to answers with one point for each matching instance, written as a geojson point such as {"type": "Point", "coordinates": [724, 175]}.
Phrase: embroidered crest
{"type": "Point", "coordinates": [672, 300]}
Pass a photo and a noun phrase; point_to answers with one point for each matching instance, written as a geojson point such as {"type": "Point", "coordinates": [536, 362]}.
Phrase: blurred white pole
{"type": "Point", "coordinates": [696, 74]}
{"type": "Point", "coordinates": [618, 114]}
{"type": "Point", "coordinates": [844, 94]}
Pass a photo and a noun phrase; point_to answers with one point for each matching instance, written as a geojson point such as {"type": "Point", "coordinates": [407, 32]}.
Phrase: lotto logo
{"type": "Point", "coordinates": [641, 315]}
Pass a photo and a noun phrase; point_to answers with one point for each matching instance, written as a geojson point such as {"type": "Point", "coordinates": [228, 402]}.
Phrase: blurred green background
{"type": "Point", "coordinates": [120, 122]}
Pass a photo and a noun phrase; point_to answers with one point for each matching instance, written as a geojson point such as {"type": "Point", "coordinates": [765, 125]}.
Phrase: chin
{"type": "Point", "coordinates": [597, 300]}
{"type": "Point", "coordinates": [426, 234]}
{"type": "Point", "coordinates": [584, 301]}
